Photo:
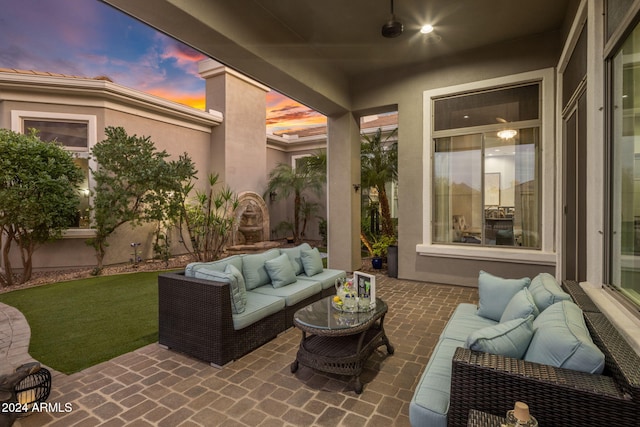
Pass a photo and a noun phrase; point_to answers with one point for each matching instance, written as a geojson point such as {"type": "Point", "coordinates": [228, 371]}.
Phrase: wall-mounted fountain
{"type": "Point", "coordinates": [251, 225]}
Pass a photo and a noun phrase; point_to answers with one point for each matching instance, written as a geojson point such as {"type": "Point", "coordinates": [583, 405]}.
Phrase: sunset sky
{"type": "Point", "coordinates": [88, 38]}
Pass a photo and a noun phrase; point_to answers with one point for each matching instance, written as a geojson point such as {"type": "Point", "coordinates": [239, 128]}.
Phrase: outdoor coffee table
{"type": "Point", "coordinates": [339, 342]}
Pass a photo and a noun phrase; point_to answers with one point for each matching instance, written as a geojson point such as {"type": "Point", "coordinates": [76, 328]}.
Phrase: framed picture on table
{"type": "Point", "coordinates": [366, 285]}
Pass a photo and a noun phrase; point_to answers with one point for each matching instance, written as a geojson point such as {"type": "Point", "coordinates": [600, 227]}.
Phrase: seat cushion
{"type": "Point", "coordinates": [509, 339]}
{"type": "Point", "coordinates": [561, 339]}
{"type": "Point", "coordinates": [253, 268]}
{"type": "Point", "coordinates": [463, 322]}
{"type": "Point", "coordinates": [295, 257]}
{"type": "Point", "coordinates": [258, 307]}
{"type": "Point", "coordinates": [280, 271]}
{"type": "Point", "coordinates": [520, 306]}
{"type": "Point", "coordinates": [311, 261]}
{"type": "Point", "coordinates": [327, 277]}
{"type": "Point", "coordinates": [430, 403]}
{"type": "Point", "coordinates": [292, 293]}
{"type": "Point", "coordinates": [495, 293]}
{"type": "Point", "coordinates": [546, 291]}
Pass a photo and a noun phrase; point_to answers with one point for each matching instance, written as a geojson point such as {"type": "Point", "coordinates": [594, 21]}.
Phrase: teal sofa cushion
{"type": "Point", "coordinates": [311, 261]}
{"type": "Point", "coordinates": [231, 269]}
{"type": "Point", "coordinates": [292, 293]}
{"type": "Point", "coordinates": [495, 293]}
{"type": "Point", "coordinates": [327, 277]}
{"type": "Point", "coordinates": [546, 291]}
{"type": "Point", "coordinates": [238, 301]}
{"type": "Point", "coordinates": [463, 322]}
{"type": "Point", "coordinates": [520, 306]}
{"type": "Point", "coordinates": [219, 265]}
{"type": "Point", "coordinates": [253, 268]}
{"type": "Point", "coordinates": [258, 307]}
{"type": "Point", "coordinates": [295, 256]}
{"type": "Point", "coordinates": [430, 403]}
{"type": "Point", "coordinates": [509, 339]}
{"type": "Point", "coordinates": [280, 271]}
{"type": "Point", "coordinates": [561, 339]}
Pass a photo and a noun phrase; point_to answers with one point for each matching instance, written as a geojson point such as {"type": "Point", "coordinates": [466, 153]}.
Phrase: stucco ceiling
{"type": "Point", "coordinates": [302, 46]}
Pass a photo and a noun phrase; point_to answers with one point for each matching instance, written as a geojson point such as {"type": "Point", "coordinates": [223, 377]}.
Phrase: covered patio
{"type": "Point", "coordinates": [154, 386]}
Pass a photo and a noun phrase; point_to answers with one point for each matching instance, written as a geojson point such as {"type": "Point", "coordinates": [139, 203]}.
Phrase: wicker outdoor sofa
{"type": "Point", "coordinates": [492, 383]}
{"type": "Point", "coordinates": [196, 309]}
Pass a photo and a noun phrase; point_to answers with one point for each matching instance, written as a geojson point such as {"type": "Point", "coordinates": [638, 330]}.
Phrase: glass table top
{"type": "Point", "coordinates": [322, 315]}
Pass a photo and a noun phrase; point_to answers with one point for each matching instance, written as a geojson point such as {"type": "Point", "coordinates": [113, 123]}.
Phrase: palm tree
{"type": "Point", "coordinates": [285, 180]}
{"type": "Point", "coordinates": [379, 166]}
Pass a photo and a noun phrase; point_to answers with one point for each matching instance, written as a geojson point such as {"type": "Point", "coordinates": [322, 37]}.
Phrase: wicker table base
{"type": "Point", "coordinates": [342, 351]}
{"type": "Point", "coordinates": [482, 419]}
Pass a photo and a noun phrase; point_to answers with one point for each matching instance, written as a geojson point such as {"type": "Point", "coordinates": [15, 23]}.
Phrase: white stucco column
{"type": "Point", "coordinates": [343, 202]}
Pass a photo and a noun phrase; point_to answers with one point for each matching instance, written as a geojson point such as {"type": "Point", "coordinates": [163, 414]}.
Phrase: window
{"type": "Point", "coordinates": [489, 170]}
{"type": "Point", "coordinates": [625, 169]}
{"type": "Point", "coordinates": [485, 184]}
{"type": "Point", "coordinates": [76, 133]}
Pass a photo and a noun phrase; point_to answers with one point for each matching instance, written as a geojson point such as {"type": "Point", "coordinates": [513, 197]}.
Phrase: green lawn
{"type": "Point", "coordinates": [80, 323]}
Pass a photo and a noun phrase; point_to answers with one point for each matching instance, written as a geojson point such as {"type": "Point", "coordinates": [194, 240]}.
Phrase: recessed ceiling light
{"type": "Point", "coordinates": [426, 29]}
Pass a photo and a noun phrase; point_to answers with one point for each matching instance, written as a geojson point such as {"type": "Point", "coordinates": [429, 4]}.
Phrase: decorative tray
{"type": "Point", "coordinates": [358, 309]}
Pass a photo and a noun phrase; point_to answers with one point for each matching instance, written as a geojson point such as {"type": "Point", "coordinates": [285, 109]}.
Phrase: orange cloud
{"type": "Point", "coordinates": [286, 115]}
{"type": "Point", "coordinates": [192, 100]}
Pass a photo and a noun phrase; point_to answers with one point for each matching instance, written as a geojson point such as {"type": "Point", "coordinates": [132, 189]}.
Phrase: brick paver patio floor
{"type": "Point", "coordinates": [155, 386]}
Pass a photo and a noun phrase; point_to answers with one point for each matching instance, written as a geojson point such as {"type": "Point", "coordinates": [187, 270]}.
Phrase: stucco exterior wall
{"type": "Point", "coordinates": [404, 88]}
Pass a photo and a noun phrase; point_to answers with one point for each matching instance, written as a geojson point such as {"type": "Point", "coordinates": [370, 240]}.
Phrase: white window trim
{"type": "Point", "coordinates": [17, 118]}
{"type": "Point", "coordinates": [295, 157]}
{"type": "Point", "coordinates": [546, 255]}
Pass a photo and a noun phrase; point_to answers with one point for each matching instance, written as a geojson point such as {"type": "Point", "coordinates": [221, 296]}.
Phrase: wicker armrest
{"type": "Point", "coordinates": [492, 383]}
{"type": "Point", "coordinates": [195, 317]}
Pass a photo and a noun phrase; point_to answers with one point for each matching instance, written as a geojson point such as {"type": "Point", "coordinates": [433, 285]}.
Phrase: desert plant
{"type": "Point", "coordinates": [209, 220]}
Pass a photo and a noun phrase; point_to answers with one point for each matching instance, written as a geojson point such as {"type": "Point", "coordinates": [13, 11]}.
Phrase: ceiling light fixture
{"type": "Point", "coordinates": [393, 27]}
{"type": "Point", "coordinates": [507, 133]}
{"type": "Point", "coordinates": [426, 29]}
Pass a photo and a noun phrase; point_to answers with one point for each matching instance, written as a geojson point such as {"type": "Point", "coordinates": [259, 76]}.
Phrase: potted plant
{"type": "Point", "coordinates": [379, 250]}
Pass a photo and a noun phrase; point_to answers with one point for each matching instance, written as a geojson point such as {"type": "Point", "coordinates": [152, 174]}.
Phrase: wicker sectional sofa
{"type": "Point", "coordinates": [459, 377]}
{"type": "Point", "coordinates": [198, 308]}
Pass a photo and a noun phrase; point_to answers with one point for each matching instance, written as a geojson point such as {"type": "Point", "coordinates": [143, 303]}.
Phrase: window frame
{"type": "Point", "coordinates": [546, 255]}
{"type": "Point", "coordinates": [18, 118]}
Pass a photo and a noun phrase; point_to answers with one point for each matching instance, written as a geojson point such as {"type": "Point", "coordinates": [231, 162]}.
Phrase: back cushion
{"type": "Point", "coordinates": [546, 291]}
{"type": "Point", "coordinates": [520, 306]}
{"type": "Point", "coordinates": [253, 269]}
{"type": "Point", "coordinates": [219, 265]}
{"type": "Point", "coordinates": [495, 293]}
{"type": "Point", "coordinates": [561, 339]}
{"type": "Point", "coordinates": [238, 294]}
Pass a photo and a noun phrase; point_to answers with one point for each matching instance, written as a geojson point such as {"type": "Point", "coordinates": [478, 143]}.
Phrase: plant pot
{"type": "Point", "coordinates": [376, 262]}
{"type": "Point", "coordinates": [392, 261]}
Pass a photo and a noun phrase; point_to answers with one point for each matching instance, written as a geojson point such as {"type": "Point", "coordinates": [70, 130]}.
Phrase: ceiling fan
{"type": "Point", "coordinates": [393, 27]}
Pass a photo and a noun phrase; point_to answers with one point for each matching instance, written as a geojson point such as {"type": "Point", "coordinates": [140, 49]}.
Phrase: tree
{"type": "Point", "coordinates": [38, 196]}
{"type": "Point", "coordinates": [308, 176]}
{"type": "Point", "coordinates": [134, 184]}
{"type": "Point", "coordinates": [379, 166]}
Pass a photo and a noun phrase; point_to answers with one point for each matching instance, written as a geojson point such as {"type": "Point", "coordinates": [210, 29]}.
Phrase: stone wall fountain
{"type": "Point", "coordinates": [251, 225]}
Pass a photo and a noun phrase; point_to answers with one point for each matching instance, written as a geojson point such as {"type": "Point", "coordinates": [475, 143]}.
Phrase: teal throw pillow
{"type": "Point", "coordinates": [280, 271]}
{"type": "Point", "coordinates": [546, 291]}
{"type": "Point", "coordinates": [311, 261]}
{"type": "Point", "coordinates": [295, 256]}
{"type": "Point", "coordinates": [231, 269]}
{"type": "Point", "coordinates": [237, 304]}
{"type": "Point", "coordinates": [495, 293]}
{"type": "Point", "coordinates": [520, 307]}
{"type": "Point", "coordinates": [509, 339]}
